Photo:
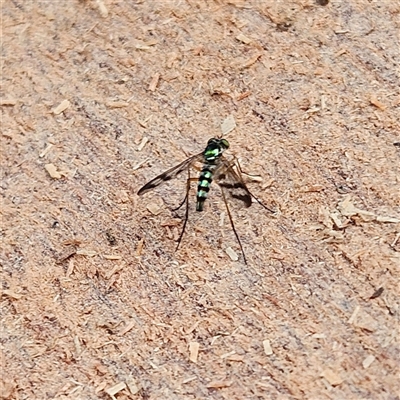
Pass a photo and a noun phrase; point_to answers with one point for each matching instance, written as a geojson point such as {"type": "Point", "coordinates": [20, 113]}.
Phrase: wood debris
{"type": "Point", "coordinates": [228, 125]}
{"type": "Point", "coordinates": [133, 387]}
{"type": "Point", "coordinates": [267, 347]}
{"type": "Point", "coordinates": [112, 257]}
{"type": "Point", "coordinates": [46, 150]}
{"type": "Point", "coordinates": [368, 361]}
{"type": "Point", "coordinates": [193, 351]}
{"type": "Point", "coordinates": [375, 102]}
{"type": "Point", "coordinates": [154, 82]}
{"type": "Point", "coordinates": [243, 38]}
{"type": "Point", "coordinates": [61, 107]}
{"type": "Point", "coordinates": [113, 390]}
{"type": "Point", "coordinates": [332, 377]}
{"type": "Point", "coordinates": [127, 327]}
{"type": "Point", "coordinates": [348, 209]}
{"type": "Point", "coordinates": [154, 208]}
{"type": "Point", "coordinates": [102, 8]}
{"type": "Point", "coordinates": [67, 253]}
{"type": "Point", "coordinates": [117, 104]}
{"type": "Point", "coordinates": [87, 253]}
{"type": "Point", "coordinates": [52, 171]}
{"type": "Point", "coordinates": [231, 253]}
{"type": "Point", "coordinates": [143, 143]}
{"type": "Point", "coordinates": [11, 294]}
{"type": "Point", "coordinates": [8, 102]}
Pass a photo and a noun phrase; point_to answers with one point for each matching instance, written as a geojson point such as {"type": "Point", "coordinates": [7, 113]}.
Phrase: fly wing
{"type": "Point", "coordinates": [230, 181]}
{"type": "Point", "coordinates": [170, 174]}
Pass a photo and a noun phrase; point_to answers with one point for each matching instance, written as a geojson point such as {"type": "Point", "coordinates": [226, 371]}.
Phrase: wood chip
{"type": "Point", "coordinates": [139, 247]}
{"type": "Point", "coordinates": [112, 257]}
{"type": "Point", "coordinates": [133, 387]}
{"type": "Point", "coordinates": [61, 107]}
{"type": "Point", "coordinates": [251, 61]}
{"type": "Point", "coordinates": [365, 322]}
{"type": "Point", "coordinates": [231, 253]}
{"type": "Point", "coordinates": [102, 8]}
{"type": "Point", "coordinates": [143, 143]}
{"type": "Point", "coordinates": [368, 361]}
{"type": "Point", "coordinates": [113, 271]}
{"type": "Point", "coordinates": [117, 104]}
{"type": "Point", "coordinates": [332, 377]}
{"type": "Point", "coordinates": [11, 294]}
{"type": "Point", "coordinates": [127, 327]}
{"type": "Point", "coordinates": [137, 166]}
{"type": "Point", "coordinates": [115, 389]}
{"type": "Point", "coordinates": [267, 347]}
{"type": "Point", "coordinates": [67, 253]}
{"type": "Point", "coordinates": [46, 150]}
{"type": "Point", "coordinates": [243, 95]}
{"type": "Point", "coordinates": [375, 102]}
{"type": "Point", "coordinates": [154, 208]}
{"type": "Point", "coordinates": [8, 102]}
{"type": "Point", "coordinates": [227, 355]}
{"type": "Point", "coordinates": [219, 384]}
{"type": "Point", "coordinates": [154, 82]}
{"type": "Point", "coordinates": [187, 380]}
{"type": "Point", "coordinates": [243, 38]}
{"type": "Point", "coordinates": [228, 125]}
{"type": "Point", "coordinates": [193, 351]}
{"type": "Point", "coordinates": [87, 253]}
{"type": "Point", "coordinates": [354, 315]}
{"type": "Point", "coordinates": [52, 171]}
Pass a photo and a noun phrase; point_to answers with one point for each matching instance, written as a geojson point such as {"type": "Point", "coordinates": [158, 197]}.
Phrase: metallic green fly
{"type": "Point", "coordinates": [215, 167]}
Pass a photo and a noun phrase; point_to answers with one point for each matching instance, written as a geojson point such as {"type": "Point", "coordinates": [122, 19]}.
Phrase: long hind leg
{"type": "Point", "coordinates": [185, 200]}
{"type": "Point", "coordinates": [233, 226]}
{"type": "Point", "coordinates": [237, 164]}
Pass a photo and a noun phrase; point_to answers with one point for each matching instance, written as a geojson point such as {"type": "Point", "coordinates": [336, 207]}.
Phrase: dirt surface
{"type": "Point", "coordinates": [99, 97]}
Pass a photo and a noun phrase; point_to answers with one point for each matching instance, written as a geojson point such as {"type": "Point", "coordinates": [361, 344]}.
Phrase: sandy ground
{"type": "Point", "coordinates": [98, 97]}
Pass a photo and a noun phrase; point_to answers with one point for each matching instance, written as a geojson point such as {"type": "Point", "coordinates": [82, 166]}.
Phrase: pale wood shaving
{"type": "Point", "coordinates": [187, 380]}
{"type": "Point", "coordinates": [232, 254]}
{"type": "Point", "coordinates": [87, 253]}
{"type": "Point", "coordinates": [377, 103]}
{"type": "Point", "coordinates": [219, 384]}
{"type": "Point", "coordinates": [115, 389]}
{"type": "Point", "coordinates": [46, 150]}
{"type": "Point", "coordinates": [228, 125]}
{"type": "Point", "coordinates": [243, 38]}
{"type": "Point", "coordinates": [127, 327]}
{"type": "Point", "coordinates": [143, 143]}
{"type": "Point", "coordinates": [133, 386]}
{"type": "Point", "coordinates": [368, 361]}
{"type": "Point", "coordinates": [102, 8]}
{"type": "Point", "coordinates": [332, 377]}
{"type": "Point", "coordinates": [348, 209]}
{"type": "Point", "coordinates": [267, 347]}
{"type": "Point", "coordinates": [112, 257]}
{"type": "Point", "coordinates": [8, 102]}
{"type": "Point", "coordinates": [194, 351]}
{"type": "Point", "coordinates": [11, 294]}
{"type": "Point", "coordinates": [139, 247]}
{"type": "Point", "coordinates": [154, 82]}
{"type": "Point", "coordinates": [52, 171]}
{"type": "Point", "coordinates": [61, 107]}
{"type": "Point", "coordinates": [117, 104]}
{"type": "Point", "coordinates": [154, 208]}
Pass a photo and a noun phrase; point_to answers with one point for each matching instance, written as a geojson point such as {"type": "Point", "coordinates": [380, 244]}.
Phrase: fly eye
{"type": "Point", "coordinates": [225, 143]}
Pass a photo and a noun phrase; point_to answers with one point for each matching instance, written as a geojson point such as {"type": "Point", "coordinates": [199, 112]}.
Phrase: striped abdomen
{"type": "Point", "coordinates": [203, 187]}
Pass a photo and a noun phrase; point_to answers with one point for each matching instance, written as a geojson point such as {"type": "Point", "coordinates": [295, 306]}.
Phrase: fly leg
{"type": "Point", "coordinates": [232, 225]}
{"type": "Point", "coordinates": [185, 200]}
{"type": "Point", "coordinates": [237, 164]}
